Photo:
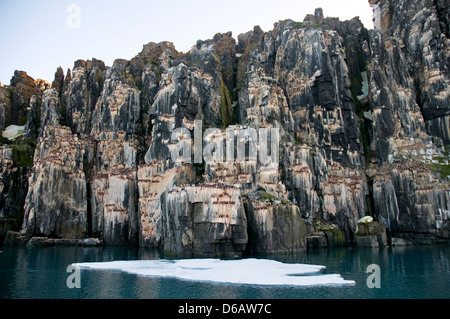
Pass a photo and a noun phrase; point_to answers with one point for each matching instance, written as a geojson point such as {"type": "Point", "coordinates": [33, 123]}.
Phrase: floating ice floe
{"type": "Point", "coordinates": [244, 271]}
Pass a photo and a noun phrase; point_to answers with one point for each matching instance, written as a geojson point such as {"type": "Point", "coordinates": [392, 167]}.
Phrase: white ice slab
{"type": "Point", "coordinates": [244, 271]}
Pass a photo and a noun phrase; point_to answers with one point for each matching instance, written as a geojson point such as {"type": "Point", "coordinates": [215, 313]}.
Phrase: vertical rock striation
{"type": "Point", "coordinates": [420, 29]}
{"type": "Point", "coordinates": [408, 73]}
{"type": "Point", "coordinates": [362, 116]}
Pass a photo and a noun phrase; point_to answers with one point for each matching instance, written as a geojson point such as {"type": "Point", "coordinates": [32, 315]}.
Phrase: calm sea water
{"type": "Point", "coordinates": [418, 272]}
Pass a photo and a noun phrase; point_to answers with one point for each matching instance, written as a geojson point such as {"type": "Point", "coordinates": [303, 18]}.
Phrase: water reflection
{"type": "Point", "coordinates": [406, 272]}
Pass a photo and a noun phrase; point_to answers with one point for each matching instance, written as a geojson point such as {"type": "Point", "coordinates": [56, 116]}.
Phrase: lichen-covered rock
{"type": "Point", "coordinates": [13, 238]}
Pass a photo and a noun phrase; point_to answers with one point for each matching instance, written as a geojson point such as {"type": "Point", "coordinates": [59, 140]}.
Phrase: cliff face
{"type": "Point", "coordinates": [420, 29]}
{"type": "Point", "coordinates": [363, 122]}
{"type": "Point", "coordinates": [415, 37]}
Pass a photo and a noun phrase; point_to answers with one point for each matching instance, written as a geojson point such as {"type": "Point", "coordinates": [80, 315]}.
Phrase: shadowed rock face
{"type": "Point", "coordinates": [363, 122]}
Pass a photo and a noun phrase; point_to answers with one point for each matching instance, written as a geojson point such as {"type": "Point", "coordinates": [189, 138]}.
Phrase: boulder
{"type": "Point", "coordinates": [367, 241]}
{"type": "Point", "coordinates": [367, 229]}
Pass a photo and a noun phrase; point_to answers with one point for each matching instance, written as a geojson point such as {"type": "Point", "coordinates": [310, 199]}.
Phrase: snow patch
{"type": "Point", "coordinates": [365, 86]}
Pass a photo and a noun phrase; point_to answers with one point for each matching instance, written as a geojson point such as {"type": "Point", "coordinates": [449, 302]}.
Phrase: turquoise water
{"type": "Point", "coordinates": [418, 272]}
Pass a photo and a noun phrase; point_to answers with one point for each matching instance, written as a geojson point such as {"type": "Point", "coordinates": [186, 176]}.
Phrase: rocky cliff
{"type": "Point", "coordinates": [363, 121]}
